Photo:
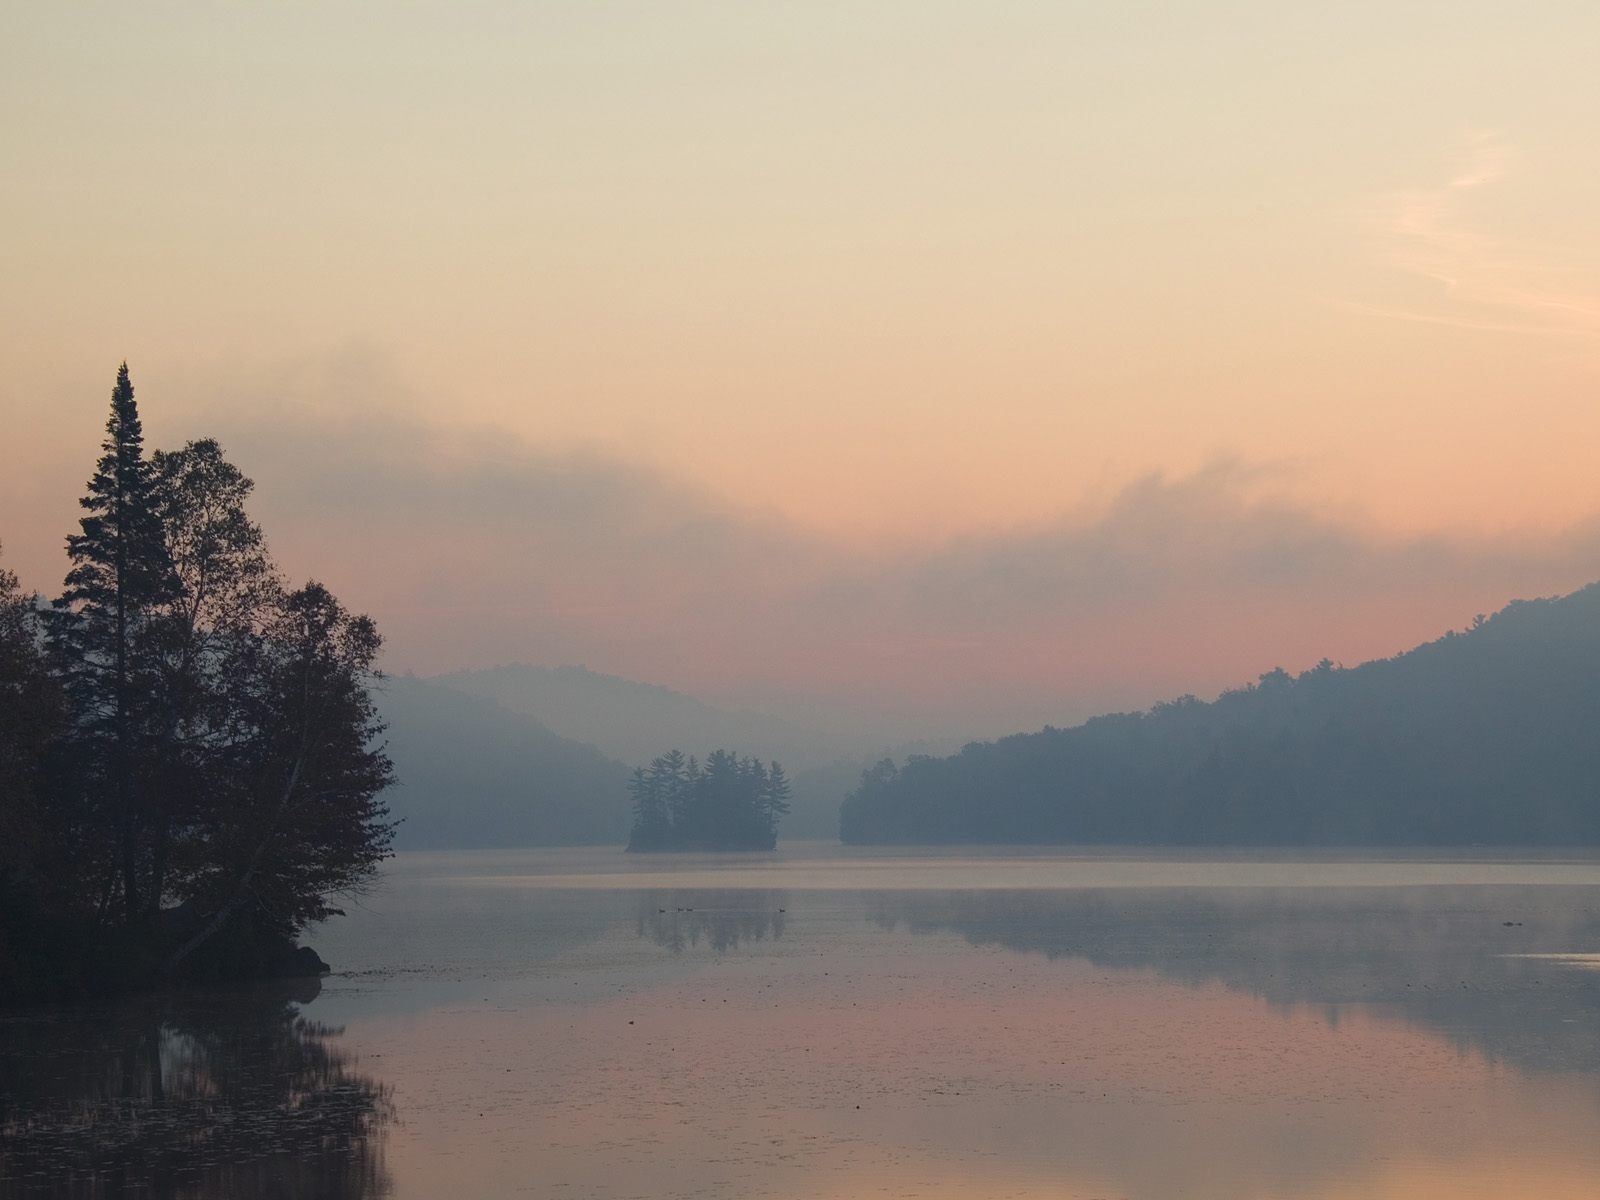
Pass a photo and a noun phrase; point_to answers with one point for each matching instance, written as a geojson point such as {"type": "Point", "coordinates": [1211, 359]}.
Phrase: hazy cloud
{"type": "Point", "coordinates": [1486, 281]}
{"type": "Point", "coordinates": [472, 548]}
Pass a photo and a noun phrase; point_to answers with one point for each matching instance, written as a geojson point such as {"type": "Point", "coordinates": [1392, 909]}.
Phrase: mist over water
{"type": "Point", "coordinates": [836, 1024]}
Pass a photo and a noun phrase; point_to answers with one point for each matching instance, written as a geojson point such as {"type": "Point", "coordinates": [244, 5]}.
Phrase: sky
{"type": "Point", "coordinates": [956, 367]}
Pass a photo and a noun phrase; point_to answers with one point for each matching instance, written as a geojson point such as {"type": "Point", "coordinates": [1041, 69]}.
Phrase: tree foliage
{"type": "Point", "coordinates": [728, 803]}
{"type": "Point", "coordinates": [103, 643]}
{"type": "Point", "coordinates": [200, 752]}
{"type": "Point", "coordinates": [30, 718]}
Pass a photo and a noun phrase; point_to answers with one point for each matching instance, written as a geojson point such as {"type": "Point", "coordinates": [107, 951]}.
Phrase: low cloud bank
{"type": "Point", "coordinates": [474, 549]}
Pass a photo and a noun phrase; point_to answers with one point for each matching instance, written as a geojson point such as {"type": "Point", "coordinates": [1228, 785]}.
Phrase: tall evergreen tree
{"type": "Point", "coordinates": [775, 800]}
{"type": "Point", "coordinates": [121, 571]}
{"type": "Point", "coordinates": [195, 751]}
{"type": "Point", "coordinates": [650, 819]}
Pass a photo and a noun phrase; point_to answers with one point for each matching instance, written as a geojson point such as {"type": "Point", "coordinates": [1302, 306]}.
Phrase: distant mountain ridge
{"type": "Point", "coordinates": [636, 721]}
{"type": "Point", "coordinates": [1488, 736]}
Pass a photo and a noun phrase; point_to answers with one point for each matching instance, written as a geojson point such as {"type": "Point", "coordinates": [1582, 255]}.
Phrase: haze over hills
{"type": "Point", "coordinates": [634, 722]}
{"type": "Point", "coordinates": [508, 757]}
{"type": "Point", "coordinates": [1483, 736]}
{"type": "Point", "coordinates": [1486, 736]}
{"type": "Point", "coordinates": [473, 773]}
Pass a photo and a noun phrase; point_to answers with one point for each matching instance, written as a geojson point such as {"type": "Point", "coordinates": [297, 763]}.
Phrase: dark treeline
{"type": "Point", "coordinates": [729, 803]}
{"type": "Point", "coordinates": [189, 768]}
{"type": "Point", "coordinates": [1483, 737]}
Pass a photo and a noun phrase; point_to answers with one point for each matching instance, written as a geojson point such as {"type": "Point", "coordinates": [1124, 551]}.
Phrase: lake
{"type": "Point", "coordinates": [836, 1023]}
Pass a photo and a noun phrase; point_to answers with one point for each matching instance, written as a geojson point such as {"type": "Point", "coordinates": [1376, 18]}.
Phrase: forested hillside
{"type": "Point", "coordinates": [1487, 736]}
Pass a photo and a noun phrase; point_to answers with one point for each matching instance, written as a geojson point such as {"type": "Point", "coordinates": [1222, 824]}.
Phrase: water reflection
{"type": "Point", "coordinates": [721, 920]}
{"type": "Point", "coordinates": [960, 1045]}
{"type": "Point", "coordinates": [1494, 969]}
{"type": "Point", "coordinates": [690, 1040]}
{"type": "Point", "coordinates": [219, 1094]}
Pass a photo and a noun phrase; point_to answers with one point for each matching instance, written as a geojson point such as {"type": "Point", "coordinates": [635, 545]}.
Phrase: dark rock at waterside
{"type": "Point", "coordinates": [299, 962]}
{"type": "Point", "coordinates": [246, 949]}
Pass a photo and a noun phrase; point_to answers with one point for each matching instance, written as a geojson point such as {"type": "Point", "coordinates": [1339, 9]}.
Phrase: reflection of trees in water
{"type": "Point", "coordinates": [721, 920]}
{"type": "Point", "coordinates": [1443, 957]}
{"type": "Point", "coordinates": [215, 1095]}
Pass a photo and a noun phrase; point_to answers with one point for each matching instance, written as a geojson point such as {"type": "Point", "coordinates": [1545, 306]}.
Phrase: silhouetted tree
{"type": "Point", "coordinates": [121, 572]}
{"type": "Point", "coordinates": [225, 592]}
{"type": "Point", "coordinates": [198, 741]}
{"type": "Point", "coordinates": [295, 815]}
{"type": "Point", "coordinates": [35, 864]}
{"type": "Point", "coordinates": [30, 709]}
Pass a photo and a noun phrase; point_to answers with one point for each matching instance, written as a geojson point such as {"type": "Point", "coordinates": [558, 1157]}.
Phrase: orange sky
{"type": "Point", "coordinates": [883, 275]}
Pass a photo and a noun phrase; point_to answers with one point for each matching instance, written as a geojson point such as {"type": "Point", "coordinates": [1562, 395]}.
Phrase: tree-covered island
{"type": "Point", "coordinates": [190, 764]}
{"type": "Point", "coordinates": [727, 803]}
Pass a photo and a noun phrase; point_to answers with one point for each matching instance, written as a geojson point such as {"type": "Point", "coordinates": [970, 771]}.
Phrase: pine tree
{"type": "Point", "coordinates": [775, 799]}
{"type": "Point", "coordinates": [729, 803]}
{"type": "Point", "coordinates": [121, 571]}
{"type": "Point", "coordinates": [197, 750]}
{"type": "Point", "coordinates": [650, 820]}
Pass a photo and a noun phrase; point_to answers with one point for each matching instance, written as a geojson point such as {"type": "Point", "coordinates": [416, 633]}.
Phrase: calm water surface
{"type": "Point", "coordinates": [826, 1024]}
